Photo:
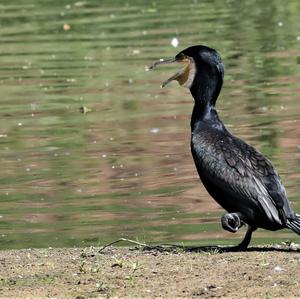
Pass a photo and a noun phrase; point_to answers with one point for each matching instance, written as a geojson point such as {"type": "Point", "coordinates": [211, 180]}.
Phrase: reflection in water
{"type": "Point", "coordinates": [124, 168]}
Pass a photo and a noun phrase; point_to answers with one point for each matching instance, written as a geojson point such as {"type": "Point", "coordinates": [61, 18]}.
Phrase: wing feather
{"type": "Point", "coordinates": [238, 167]}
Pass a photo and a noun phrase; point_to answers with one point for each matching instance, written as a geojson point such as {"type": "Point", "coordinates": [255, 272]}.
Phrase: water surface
{"type": "Point", "coordinates": [124, 168]}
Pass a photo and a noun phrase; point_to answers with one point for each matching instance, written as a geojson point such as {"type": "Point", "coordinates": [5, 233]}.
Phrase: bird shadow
{"type": "Point", "coordinates": [222, 249]}
{"type": "Point", "coordinates": [210, 249]}
{"type": "Point", "coordinates": [214, 249]}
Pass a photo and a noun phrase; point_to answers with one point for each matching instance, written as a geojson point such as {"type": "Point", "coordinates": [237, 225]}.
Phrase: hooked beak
{"type": "Point", "coordinates": [181, 76]}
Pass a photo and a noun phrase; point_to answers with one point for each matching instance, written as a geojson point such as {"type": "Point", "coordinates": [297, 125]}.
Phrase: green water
{"type": "Point", "coordinates": [124, 168]}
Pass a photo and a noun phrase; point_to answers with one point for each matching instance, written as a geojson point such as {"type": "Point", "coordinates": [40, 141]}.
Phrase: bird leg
{"type": "Point", "coordinates": [231, 222]}
{"type": "Point", "coordinates": [244, 244]}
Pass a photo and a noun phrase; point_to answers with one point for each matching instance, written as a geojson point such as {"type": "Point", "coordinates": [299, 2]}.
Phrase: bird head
{"type": "Point", "coordinates": [199, 60]}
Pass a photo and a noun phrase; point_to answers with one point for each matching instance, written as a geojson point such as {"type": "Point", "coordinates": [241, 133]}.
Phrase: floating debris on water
{"type": "Point", "coordinates": [174, 42]}
{"type": "Point", "coordinates": [66, 27]}
{"type": "Point", "coordinates": [88, 58]}
{"type": "Point", "coordinates": [136, 52]}
{"type": "Point", "coordinates": [80, 3]}
{"type": "Point", "coordinates": [154, 130]}
{"type": "Point", "coordinates": [84, 109]}
{"type": "Point", "coordinates": [264, 109]}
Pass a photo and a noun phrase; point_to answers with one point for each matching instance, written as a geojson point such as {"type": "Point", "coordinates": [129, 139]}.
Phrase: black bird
{"type": "Point", "coordinates": [235, 174]}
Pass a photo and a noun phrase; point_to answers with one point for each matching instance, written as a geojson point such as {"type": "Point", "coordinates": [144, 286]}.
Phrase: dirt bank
{"type": "Point", "coordinates": [123, 272]}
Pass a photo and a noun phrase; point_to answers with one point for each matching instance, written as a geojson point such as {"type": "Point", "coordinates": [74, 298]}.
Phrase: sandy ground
{"type": "Point", "coordinates": [123, 272]}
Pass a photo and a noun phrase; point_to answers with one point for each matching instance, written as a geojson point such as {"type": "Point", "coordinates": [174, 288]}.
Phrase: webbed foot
{"type": "Point", "coordinates": [231, 222]}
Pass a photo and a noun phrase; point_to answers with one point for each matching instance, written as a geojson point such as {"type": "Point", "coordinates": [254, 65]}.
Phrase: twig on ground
{"type": "Point", "coordinates": [158, 247]}
{"type": "Point", "coordinates": [122, 240]}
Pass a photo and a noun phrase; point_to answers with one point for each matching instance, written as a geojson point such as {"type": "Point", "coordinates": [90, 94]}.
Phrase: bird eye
{"type": "Point", "coordinates": [180, 56]}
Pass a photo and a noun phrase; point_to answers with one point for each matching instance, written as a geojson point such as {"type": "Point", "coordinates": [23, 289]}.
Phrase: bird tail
{"type": "Point", "coordinates": [294, 224]}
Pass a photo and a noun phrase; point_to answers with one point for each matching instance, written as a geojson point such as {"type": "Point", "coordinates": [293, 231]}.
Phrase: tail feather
{"type": "Point", "coordinates": [294, 224]}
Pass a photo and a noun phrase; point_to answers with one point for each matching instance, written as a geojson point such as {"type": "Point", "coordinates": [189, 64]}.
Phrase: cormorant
{"type": "Point", "coordinates": [235, 174]}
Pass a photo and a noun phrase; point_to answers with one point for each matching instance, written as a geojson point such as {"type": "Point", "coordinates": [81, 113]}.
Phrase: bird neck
{"type": "Point", "coordinates": [205, 91]}
{"type": "Point", "coordinates": [208, 114]}
{"type": "Point", "coordinates": [206, 86]}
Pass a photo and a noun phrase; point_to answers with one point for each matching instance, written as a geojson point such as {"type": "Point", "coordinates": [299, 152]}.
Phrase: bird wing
{"type": "Point", "coordinates": [239, 169]}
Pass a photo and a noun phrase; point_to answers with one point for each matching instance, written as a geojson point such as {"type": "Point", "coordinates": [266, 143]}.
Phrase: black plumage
{"type": "Point", "coordinates": [235, 174]}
